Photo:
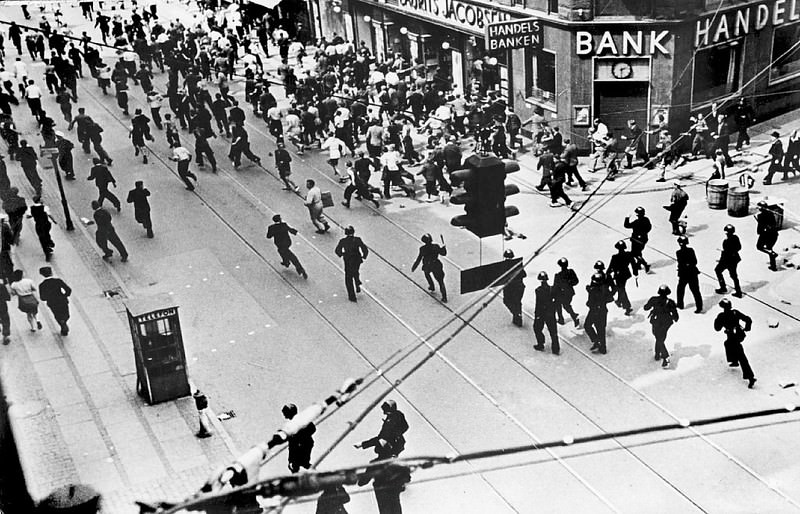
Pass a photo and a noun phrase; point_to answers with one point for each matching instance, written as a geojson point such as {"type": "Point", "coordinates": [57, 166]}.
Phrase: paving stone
{"type": "Point", "coordinates": [122, 433]}
{"type": "Point", "coordinates": [171, 429]}
{"type": "Point", "coordinates": [71, 414]}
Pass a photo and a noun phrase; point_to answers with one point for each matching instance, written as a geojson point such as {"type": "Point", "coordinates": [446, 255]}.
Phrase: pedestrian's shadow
{"type": "Point", "coordinates": [626, 322]}
{"type": "Point", "coordinates": [680, 351]}
{"type": "Point", "coordinates": [752, 287]}
{"type": "Point", "coordinates": [658, 264]}
{"type": "Point", "coordinates": [696, 228]}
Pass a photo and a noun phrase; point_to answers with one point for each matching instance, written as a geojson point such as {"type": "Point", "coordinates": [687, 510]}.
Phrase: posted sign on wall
{"type": "Point", "coordinates": [507, 35]}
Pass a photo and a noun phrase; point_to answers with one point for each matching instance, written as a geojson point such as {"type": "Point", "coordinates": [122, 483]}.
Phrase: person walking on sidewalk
{"type": "Point", "coordinates": [640, 228]}
{"type": "Point", "coordinates": [353, 250]}
{"type": "Point", "coordinates": [730, 321]}
{"type": "Point", "coordinates": [545, 315]}
{"type": "Point", "coordinates": [55, 292]}
{"type": "Point", "coordinates": [106, 233]}
{"type": "Point", "coordinates": [428, 255]}
{"type": "Point", "coordinates": [42, 222]}
{"type": "Point", "coordinates": [300, 443]}
{"type": "Point", "coordinates": [313, 202]}
{"type": "Point", "coordinates": [663, 314]}
{"type": "Point", "coordinates": [687, 274]}
{"type": "Point", "coordinates": [767, 230]}
{"type": "Point", "coordinates": [776, 155]}
{"type": "Point", "coordinates": [283, 164]}
{"type": "Point", "coordinates": [564, 283]}
{"type": "Point", "coordinates": [141, 206]}
{"type": "Point", "coordinates": [182, 156]}
{"type": "Point", "coordinates": [102, 178]}
{"type": "Point", "coordinates": [280, 232]}
{"type": "Point", "coordinates": [728, 261]}
{"type": "Point", "coordinates": [25, 291]}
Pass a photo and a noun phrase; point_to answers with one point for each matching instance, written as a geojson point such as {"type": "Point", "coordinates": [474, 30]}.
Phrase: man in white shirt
{"type": "Point", "coordinates": [336, 149]}
{"type": "Point", "coordinates": [183, 157]}
{"type": "Point", "coordinates": [313, 202]}
{"type": "Point", "coordinates": [34, 97]}
{"type": "Point", "coordinates": [392, 174]}
{"type": "Point", "coordinates": [21, 71]}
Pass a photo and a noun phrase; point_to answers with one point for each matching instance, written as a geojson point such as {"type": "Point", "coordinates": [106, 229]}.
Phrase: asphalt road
{"type": "Point", "coordinates": [258, 336]}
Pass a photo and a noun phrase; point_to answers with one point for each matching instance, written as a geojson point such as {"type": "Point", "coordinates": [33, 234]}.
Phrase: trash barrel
{"type": "Point", "coordinates": [738, 201]}
{"type": "Point", "coordinates": [717, 193]}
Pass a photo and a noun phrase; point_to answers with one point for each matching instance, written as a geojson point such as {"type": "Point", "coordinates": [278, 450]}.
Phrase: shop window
{"type": "Point", "coordinates": [717, 72]}
{"type": "Point", "coordinates": [541, 76]}
{"type": "Point", "coordinates": [552, 6]}
{"type": "Point", "coordinates": [785, 53]}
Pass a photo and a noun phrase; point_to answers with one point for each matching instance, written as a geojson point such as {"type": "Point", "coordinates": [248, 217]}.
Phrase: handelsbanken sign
{"type": "Point", "coordinates": [507, 35]}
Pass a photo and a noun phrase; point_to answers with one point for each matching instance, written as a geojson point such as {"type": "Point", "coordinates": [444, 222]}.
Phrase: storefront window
{"type": "Point", "coordinates": [785, 53]}
{"type": "Point", "coordinates": [717, 72]}
{"type": "Point", "coordinates": [541, 76]}
{"type": "Point", "coordinates": [552, 6]}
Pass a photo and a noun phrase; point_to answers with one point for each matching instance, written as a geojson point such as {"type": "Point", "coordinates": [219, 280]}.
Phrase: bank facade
{"type": "Point", "coordinates": [612, 59]}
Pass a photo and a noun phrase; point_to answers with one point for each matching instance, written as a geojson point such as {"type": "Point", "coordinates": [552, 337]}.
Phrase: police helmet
{"type": "Point", "coordinates": [664, 290]}
{"type": "Point", "coordinates": [597, 278]}
{"type": "Point", "coordinates": [289, 410]}
{"type": "Point", "coordinates": [389, 406]}
{"type": "Point", "coordinates": [620, 245]}
{"type": "Point", "coordinates": [542, 275]}
{"type": "Point", "coordinates": [730, 229]}
{"type": "Point", "coordinates": [639, 211]}
{"type": "Point", "coordinates": [599, 265]}
{"type": "Point", "coordinates": [276, 218]}
{"type": "Point", "coordinates": [762, 204]}
{"type": "Point", "coordinates": [563, 262]}
{"type": "Point", "coordinates": [426, 238]}
{"type": "Point", "coordinates": [349, 231]}
{"type": "Point", "coordinates": [508, 254]}
{"type": "Point", "coordinates": [683, 240]}
{"type": "Point", "coordinates": [279, 142]}
{"type": "Point", "coordinates": [725, 303]}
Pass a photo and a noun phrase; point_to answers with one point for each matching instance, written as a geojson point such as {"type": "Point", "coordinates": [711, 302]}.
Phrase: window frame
{"type": "Point", "coordinates": [796, 74]}
{"type": "Point", "coordinates": [739, 42]}
{"type": "Point", "coordinates": [550, 105]}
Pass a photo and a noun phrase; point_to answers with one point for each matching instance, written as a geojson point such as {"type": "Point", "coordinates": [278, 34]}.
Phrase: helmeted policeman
{"type": "Point", "coordinates": [301, 443]}
{"type": "Point", "coordinates": [390, 441]}
{"type": "Point", "coordinates": [597, 317]}
{"type": "Point", "coordinates": [514, 291]}
{"type": "Point", "coordinates": [353, 250]}
{"type": "Point", "coordinates": [640, 228]}
{"type": "Point", "coordinates": [663, 314]}
{"type": "Point", "coordinates": [429, 254]}
{"type": "Point", "coordinates": [688, 274]}
{"type": "Point", "coordinates": [564, 283]}
{"type": "Point", "coordinates": [729, 260]}
{"type": "Point", "coordinates": [600, 268]}
{"type": "Point", "coordinates": [767, 230]}
{"type": "Point", "coordinates": [729, 321]}
{"type": "Point", "coordinates": [620, 267]}
{"type": "Point", "coordinates": [545, 315]}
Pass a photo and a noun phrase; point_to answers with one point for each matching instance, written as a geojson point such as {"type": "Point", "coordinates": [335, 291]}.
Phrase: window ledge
{"type": "Point", "coordinates": [783, 79]}
{"type": "Point", "coordinates": [544, 104]}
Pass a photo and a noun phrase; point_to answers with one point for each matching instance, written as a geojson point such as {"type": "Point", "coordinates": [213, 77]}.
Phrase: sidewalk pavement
{"type": "Point", "coordinates": [74, 408]}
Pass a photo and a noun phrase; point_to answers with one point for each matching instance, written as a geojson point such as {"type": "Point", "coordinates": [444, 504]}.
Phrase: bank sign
{"type": "Point", "coordinates": [474, 18]}
{"type": "Point", "coordinates": [751, 18]}
{"type": "Point", "coordinates": [508, 35]}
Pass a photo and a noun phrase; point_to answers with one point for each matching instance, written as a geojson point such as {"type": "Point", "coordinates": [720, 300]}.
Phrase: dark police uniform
{"type": "Point", "coordinates": [728, 320]}
{"type": "Point", "coordinates": [663, 313]}
{"type": "Point", "coordinates": [354, 252]}
{"type": "Point", "coordinates": [619, 268]}
{"type": "Point", "coordinates": [687, 275]}
{"type": "Point", "coordinates": [640, 228]}
{"type": "Point", "coordinates": [431, 265]}
{"type": "Point", "coordinates": [597, 317]}
{"type": "Point", "coordinates": [729, 260]}
{"type": "Point", "coordinates": [564, 283]}
{"type": "Point", "coordinates": [767, 230]}
{"type": "Point", "coordinates": [512, 296]}
{"type": "Point", "coordinates": [545, 315]}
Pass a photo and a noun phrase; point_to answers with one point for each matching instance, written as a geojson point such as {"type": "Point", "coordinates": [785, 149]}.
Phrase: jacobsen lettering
{"type": "Point", "coordinates": [752, 18]}
{"type": "Point", "coordinates": [455, 12]}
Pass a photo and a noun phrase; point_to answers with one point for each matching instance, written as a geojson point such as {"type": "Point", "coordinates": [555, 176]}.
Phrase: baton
{"type": "Point", "coordinates": [442, 238]}
{"type": "Point", "coordinates": [636, 279]}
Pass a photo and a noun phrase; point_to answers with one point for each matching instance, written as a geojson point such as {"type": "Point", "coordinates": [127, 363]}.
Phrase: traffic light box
{"type": "Point", "coordinates": [484, 195]}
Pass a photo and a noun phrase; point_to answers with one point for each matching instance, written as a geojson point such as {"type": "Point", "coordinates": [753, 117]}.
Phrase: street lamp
{"type": "Point", "coordinates": [403, 31]}
{"type": "Point", "coordinates": [446, 45]}
{"type": "Point", "coordinates": [337, 9]}
{"type": "Point", "coordinates": [53, 154]}
{"type": "Point", "coordinates": [367, 18]}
